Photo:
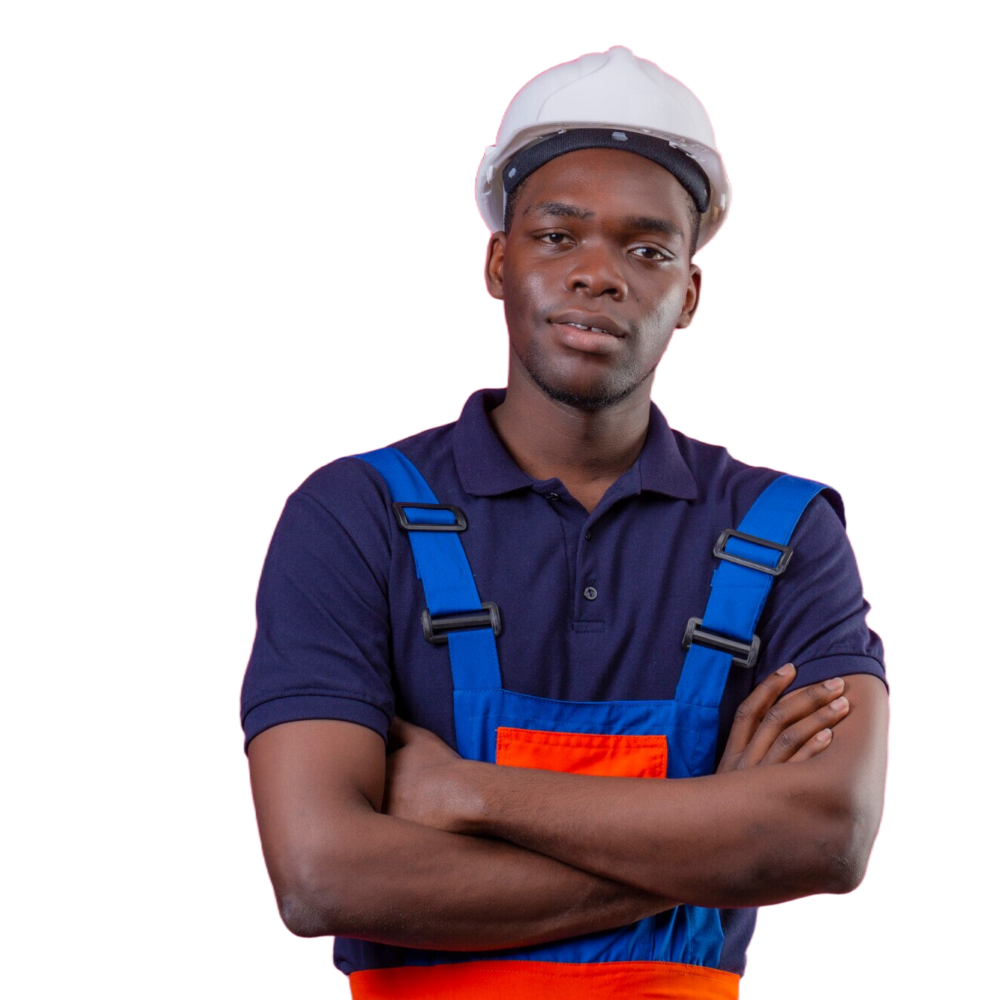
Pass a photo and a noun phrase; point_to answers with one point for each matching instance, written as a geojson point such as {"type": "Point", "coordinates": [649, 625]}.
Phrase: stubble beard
{"type": "Point", "coordinates": [629, 380]}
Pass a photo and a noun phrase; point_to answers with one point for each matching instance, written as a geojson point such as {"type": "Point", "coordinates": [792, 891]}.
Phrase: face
{"type": "Point", "coordinates": [599, 239]}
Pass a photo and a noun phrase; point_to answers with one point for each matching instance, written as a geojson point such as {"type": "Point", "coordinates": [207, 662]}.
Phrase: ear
{"type": "Point", "coordinates": [691, 299]}
{"type": "Point", "coordinates": [494, 264]}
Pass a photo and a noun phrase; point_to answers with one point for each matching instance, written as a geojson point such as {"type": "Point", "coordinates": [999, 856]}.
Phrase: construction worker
{"type": "Point", "coordinates": [473, 642]}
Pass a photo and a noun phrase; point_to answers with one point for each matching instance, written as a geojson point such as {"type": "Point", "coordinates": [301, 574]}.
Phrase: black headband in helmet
{"type": "Point", "coordinates": [691, 177]}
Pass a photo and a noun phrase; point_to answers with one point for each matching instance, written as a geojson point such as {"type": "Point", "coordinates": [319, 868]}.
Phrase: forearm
{"type": "Point", "coordinates": [342, 864]}
{"type": "Point", "coordinates": [748, 837]}
{"type": "Point", "coordinates": [389, 880]}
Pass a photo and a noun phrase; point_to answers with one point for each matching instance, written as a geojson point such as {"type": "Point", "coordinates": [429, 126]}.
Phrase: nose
{"type": "Point", "coordinates": [596, 270]}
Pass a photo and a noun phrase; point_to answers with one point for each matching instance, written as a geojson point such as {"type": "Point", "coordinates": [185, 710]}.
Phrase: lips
{"type": "Point", "coordinates": [596, 322]}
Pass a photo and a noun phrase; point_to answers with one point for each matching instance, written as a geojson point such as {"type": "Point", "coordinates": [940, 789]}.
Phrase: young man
{"type": "Point", "coordinates": [552, 584]}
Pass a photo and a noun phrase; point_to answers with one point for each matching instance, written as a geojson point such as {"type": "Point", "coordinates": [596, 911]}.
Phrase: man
{"type": "Point", "coordinates": [542, 585]}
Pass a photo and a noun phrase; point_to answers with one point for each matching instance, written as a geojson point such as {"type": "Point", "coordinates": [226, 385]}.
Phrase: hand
{"type": "Point", "coordinates": [422, 777]}
{"type": "Point", "coordinates": [798, 727]}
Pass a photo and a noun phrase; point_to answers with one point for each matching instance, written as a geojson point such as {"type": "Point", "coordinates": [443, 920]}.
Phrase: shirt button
{"type": "Point", "coordinates": [586, 534]}
{"type": "Point", "coordinates": [551, 496]}
{"type": "Point", "coordinates": [590, 593]}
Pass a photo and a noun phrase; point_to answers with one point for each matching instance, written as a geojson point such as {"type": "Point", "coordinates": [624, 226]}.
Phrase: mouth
{"type": "Point", "coordinates": [588, 322]}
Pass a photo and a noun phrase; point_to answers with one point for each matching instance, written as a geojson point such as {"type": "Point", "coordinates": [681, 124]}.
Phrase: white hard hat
{"type": "Point", "coordinates": [611, 91]}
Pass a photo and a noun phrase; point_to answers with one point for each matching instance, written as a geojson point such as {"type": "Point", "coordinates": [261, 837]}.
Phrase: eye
{"type": "Point", "coordinates": [553, 239]}
{"type": "Point", "coordinates": [651, 253]}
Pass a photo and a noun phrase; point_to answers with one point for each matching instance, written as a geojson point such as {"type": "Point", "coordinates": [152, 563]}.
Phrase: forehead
{"type": "Point", "coordinates": [606, 182]}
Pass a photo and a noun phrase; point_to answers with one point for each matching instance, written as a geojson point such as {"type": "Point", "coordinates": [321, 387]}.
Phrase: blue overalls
{"type": "Point", "coordinates": [673, 954]}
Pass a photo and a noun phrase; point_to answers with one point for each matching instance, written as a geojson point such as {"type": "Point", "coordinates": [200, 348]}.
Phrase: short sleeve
{"type": "Point", "coordinates": [322, 648]}
{"type": "Point", "coordinates": [816, 617]}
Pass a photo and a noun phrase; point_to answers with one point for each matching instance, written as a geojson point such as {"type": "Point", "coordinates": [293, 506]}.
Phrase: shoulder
{"type": "Point", "coordinates": [351, 485]}
{"type": "Point", "coordinates": [732, 487]}
{"type": "Point", "coordinates": [815, 613]}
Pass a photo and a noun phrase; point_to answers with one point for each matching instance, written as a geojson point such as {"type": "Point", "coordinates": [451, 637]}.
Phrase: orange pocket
{"type": "Point", "coordinates": [583, 753]}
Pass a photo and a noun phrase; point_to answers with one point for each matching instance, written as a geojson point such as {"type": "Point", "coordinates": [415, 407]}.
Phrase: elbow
{"type": "Point", "coordinates": [303, 917]}
{"type": "Point", "coordinates": [326, 881]}
{"type": "Point", "coordinates": [844, 872]}
{"type": "Point", "coordinates": [314, 909]}
{"type": "Point", "coordinates": [312, 897]}
{"type": "Point", "coordinates": [844, 852]}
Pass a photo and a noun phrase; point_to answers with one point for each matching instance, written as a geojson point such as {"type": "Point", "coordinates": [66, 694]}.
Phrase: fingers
{"type": "Point", "coordinates": [751, 714]}
{"type": "Point", "coordinates": [808, 736]}
{"type": "Point", "coordinates": [814, 746]}
{"type": "Point", "coordinates": [796, 718]}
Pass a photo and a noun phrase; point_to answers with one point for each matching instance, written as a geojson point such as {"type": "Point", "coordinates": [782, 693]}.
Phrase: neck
{"type": "Point", "coordinates": [586, 449]}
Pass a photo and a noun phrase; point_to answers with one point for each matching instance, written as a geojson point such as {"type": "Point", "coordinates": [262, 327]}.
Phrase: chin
{"type": "Point", "coordinates": [588, 397]}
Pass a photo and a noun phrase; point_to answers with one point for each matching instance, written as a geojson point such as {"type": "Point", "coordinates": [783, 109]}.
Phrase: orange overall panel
{"type": "Point", "coordinates": [516, 980]}
{"type": "Point", "coordinates": [583, 753]}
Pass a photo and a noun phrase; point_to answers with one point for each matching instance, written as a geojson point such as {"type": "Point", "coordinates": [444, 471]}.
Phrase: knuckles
{"type": "Point", "coordinates": [788, 739]}
{"type": "Point", "coordinates": [775, 716]}
{"type": "Point", "coordinates": [817, 693]}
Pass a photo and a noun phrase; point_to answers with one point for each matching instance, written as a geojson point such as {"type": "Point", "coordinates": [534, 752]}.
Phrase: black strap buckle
{"type": "Point", "coordinates": [785, 550]}
{"type": "Point", "coordinates": [436, 627]}
{"type": "Point", "coordinates": [744, 654]}
{"type": "Point", "coordinates": [407, 525]}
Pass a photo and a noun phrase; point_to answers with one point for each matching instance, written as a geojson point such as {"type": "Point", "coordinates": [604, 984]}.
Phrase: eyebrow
{"type": "Point", "coordinates": [646, 223]}
{"type": "Point", "coordinates": [558, 208]}
{"type": "Point", "coordinates": [650, 224]}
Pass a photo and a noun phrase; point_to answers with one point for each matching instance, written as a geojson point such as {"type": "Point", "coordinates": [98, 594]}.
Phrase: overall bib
{"type": "Point", "coordinates": [674, 954]}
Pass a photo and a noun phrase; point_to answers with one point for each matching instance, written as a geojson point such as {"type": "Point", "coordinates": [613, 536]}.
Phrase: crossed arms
{"type": "Point", "coordinates": [425, 849]}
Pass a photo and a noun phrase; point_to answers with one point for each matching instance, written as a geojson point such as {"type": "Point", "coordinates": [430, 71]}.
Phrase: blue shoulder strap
{"type": "Point", "coordinates": [443, 568]}
{"type": "Point", "coordinates": [740, 584]}
{"type": "Point", "coordinates": [752, 556]}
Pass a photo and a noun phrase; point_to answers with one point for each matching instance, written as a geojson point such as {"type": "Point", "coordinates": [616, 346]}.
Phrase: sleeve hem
{"type": "Point", "coordinates": [296, 708]}
{"type": "Point", "coordinates": [822, 668]}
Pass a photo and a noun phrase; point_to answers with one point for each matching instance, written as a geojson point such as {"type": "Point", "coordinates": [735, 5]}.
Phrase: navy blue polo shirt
{"type": "Point", "coordinates": [594, 606]}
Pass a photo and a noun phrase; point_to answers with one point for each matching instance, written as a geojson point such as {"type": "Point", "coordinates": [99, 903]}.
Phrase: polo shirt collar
{"type": "Point", "coordinates": [661, 466]}
{"type": "Point", "coordinates": [486, 468]}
